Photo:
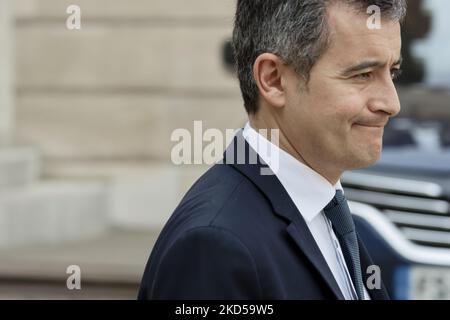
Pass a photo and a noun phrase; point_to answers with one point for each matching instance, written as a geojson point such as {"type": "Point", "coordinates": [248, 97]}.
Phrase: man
{"type": "Point", "coordinates": [316, 72]}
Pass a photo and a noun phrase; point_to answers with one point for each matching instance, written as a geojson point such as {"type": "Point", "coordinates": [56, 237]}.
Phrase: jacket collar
{"type": "Point", "coordinates": [308, 189]}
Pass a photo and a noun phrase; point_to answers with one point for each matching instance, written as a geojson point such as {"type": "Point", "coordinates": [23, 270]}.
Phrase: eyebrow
{"type": "Point", "coordinates": [368, 64]}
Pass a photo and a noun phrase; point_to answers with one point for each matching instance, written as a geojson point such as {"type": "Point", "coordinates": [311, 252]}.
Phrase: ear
{"type": "Point", "coordinates": [267, 72]}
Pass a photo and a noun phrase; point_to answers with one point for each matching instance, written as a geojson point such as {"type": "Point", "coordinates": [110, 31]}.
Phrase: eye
{"type": "Point", "coordinates": [395, 73]}
{"type": "Point", "coordinates": [363, 76]}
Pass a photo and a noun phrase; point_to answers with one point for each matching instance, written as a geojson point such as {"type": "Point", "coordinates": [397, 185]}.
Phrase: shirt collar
{"type": "Point", "coordinates": [309, 191]}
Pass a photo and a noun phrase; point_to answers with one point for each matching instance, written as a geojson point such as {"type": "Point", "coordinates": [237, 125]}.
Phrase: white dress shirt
{"type": "Point", "coordinates": [310, 193]}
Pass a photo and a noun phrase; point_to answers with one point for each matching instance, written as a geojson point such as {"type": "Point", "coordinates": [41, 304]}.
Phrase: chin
{"type": "Point", "coordinates": [373, 158]}
{"type": "Point", "coordinates": [366, 159]}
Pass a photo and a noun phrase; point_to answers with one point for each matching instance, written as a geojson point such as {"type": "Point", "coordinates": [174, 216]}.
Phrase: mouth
{"type": "Point", "coordinates": [375, 131]}
{"type": "Point", "coordinates": [374, 126]}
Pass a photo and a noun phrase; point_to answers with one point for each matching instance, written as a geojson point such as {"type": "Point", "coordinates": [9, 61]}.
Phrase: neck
{"type": "Point", "coordinates": [259, 122]}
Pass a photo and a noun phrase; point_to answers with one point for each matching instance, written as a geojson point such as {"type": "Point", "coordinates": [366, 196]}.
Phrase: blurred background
{"type": "Point", "coordinates": [86, 118]}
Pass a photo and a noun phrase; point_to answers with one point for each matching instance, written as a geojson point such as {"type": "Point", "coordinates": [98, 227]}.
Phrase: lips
{"type": "Point", "coordinates": [373, 125]}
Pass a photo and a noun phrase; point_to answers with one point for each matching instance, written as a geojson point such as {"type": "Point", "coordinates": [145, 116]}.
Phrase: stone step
{"type": "Point", "coordinates": [19, 166]}
{"type": "Point", "coordinates": [111, 260]}
{"type": "Point", "coordinates": [52, 212]}
{"type": "Point", "coordinates": [142, 194]}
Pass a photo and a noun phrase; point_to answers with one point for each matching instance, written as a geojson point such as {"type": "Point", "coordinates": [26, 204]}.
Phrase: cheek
{"type": "Point", "coordinates": [331, 110]}
{"type": "Point", "coordinates": [347, 111]}
{"type": "Point", "coordinates": [338, 120]}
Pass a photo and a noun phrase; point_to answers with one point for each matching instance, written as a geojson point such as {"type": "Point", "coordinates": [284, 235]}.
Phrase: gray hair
{"type": "Point", "coordinates": [295, 30]}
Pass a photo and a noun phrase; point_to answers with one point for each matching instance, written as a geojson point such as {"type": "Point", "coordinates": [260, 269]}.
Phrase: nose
{"type": "Point", "coordinates": [385, 99]}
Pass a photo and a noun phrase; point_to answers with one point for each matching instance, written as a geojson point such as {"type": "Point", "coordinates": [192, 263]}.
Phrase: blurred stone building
{"type": "Point", "coordinates": [86, 118]}
{"type": "Point", "coordinates": [87, 115]}
{"type": "Point", "coordinates": [98, 105]}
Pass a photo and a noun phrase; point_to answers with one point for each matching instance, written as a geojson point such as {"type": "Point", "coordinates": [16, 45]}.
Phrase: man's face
{"type": "Point", "coordinates": [337, 122]}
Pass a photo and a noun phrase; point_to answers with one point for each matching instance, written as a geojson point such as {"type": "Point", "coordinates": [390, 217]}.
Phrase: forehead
{"type": "Point", "coordinates": [351, 39]}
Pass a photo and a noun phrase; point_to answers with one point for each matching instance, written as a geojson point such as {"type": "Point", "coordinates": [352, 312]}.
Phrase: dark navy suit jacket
{"type": "Point", "coordinates": [237, 235]}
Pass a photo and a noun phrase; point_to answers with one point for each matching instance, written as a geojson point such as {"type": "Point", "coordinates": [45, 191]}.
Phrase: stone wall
{"type": "Point", "coordinates": [102, 102]}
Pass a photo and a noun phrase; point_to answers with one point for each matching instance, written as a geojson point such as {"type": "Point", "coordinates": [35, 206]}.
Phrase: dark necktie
{"type": "Point", "coordinates": [338, 213]}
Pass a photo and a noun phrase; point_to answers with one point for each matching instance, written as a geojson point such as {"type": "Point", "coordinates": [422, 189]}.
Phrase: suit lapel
{"type": "Point", "coordinates": [244, 159]}
{"type": "Point", "coordinates": [366, 261]}
{"type": "Point", "coordinates": [299, 231]}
